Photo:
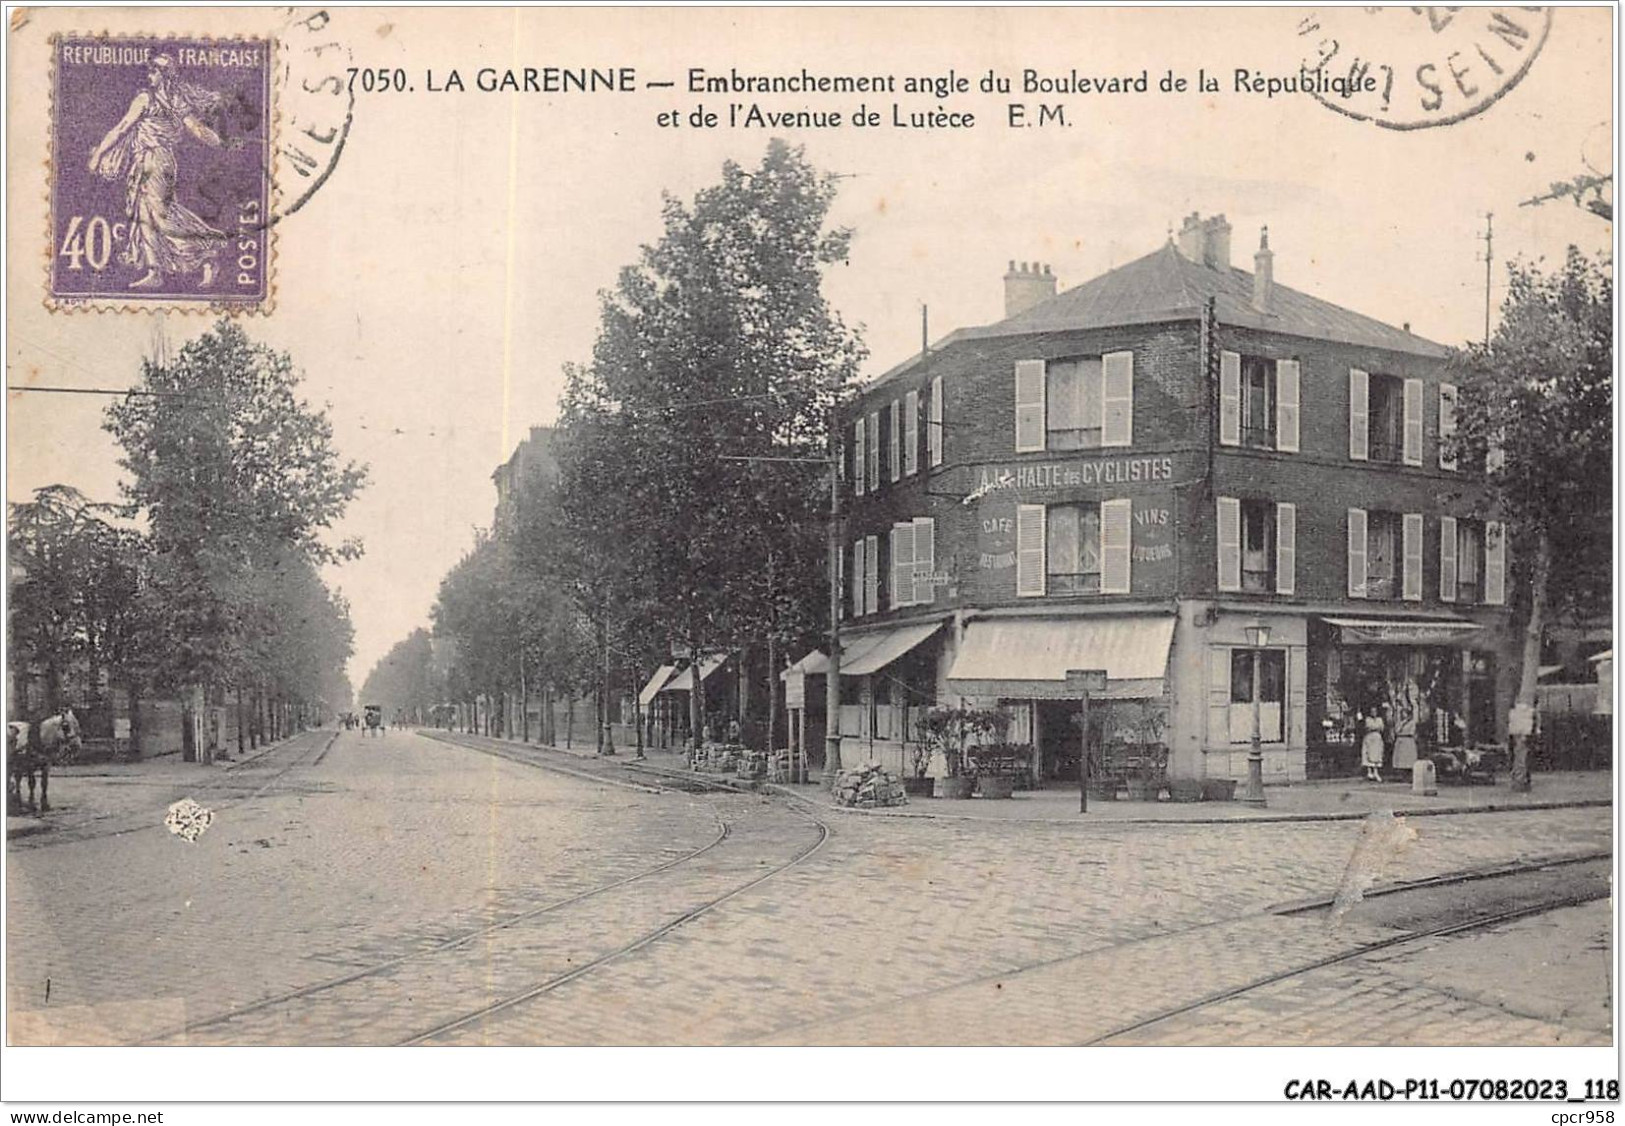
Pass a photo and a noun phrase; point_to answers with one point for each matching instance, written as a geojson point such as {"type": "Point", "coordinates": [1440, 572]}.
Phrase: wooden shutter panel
{"type": "Point", "coordinates": [1447, 425]}
{"type": "Point", "coordinates": [1411, 541]}
{"type": "Point", "coordinates": [1117, 399]}
{"type": "Point", "coordinates": [860, 459]}
{"type": "Point", "coordinates": [1357, 553]}
{"type": "Point", "coordinates": [1359, 417]}
{"type": "Point", "coordinates": [874, 452]}
{"type": "Point", "coordinates": [1447, 559]}
{"type": "Point", "coordinates": [1229, 518]}
{"type": "Point", "coordinates": [858, 578]}
{"type": "Point", "coordinates": [1218, 696]}
{"type": "Point", "coordinates": [934, 432]}
{"type": "Point", "coordinates": [1413, 422]}
{"type": "Point", "coordinates": [1286, 548]}
{"type": "Point", "coordinates": [925, 559]}
{"type": "Point", "coordinates": [902, 565]}
{"type": "Point", "coordinates": [1495, 563]}
{"type": "Point", "coordinates": [1287, 378]}
{"type": "Point", "coordinates": [1229, 398]}
{"type": "Point", "coordinates": [1116, 539]}
{"type": "Point", "coordinates": [911, 433]}
{"type": "Point", "coordinates": [871, 574]}
{"type": "Point", "coordinates": [1029, 550]}
{"type": "Point", "coordinates": [1029, 405]}
{"type": "Point", "coordinates": [894, 441]}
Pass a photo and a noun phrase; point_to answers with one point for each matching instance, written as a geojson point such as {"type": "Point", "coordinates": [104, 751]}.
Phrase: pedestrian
{"type": "Point", "coordinates": [1371, 748]}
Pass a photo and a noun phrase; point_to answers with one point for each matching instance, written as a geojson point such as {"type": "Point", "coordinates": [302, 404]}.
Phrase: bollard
{"type": "Point", "coordinates": [1424, 778]}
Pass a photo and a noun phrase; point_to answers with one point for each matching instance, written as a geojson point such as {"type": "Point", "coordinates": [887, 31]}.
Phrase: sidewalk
{"type": "Point", "coordinates": [1341, 799]}
{"type": "Point", "coordinates": [83, 793]}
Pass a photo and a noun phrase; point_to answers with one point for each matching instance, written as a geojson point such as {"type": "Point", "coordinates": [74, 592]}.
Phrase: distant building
{"type": "Point", "coordinates": [1127, 475]}
{"type": "Point", "coordinates": [532, 454]}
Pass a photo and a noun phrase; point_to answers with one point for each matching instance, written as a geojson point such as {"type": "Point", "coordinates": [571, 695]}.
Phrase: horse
{"type": "Point", "coordinates": [28, 757]}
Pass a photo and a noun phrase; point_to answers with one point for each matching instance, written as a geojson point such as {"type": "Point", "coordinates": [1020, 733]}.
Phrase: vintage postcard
{"type": "Point", "coordinates": [848, 527]}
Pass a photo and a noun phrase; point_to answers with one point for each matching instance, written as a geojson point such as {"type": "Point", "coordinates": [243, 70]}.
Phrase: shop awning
{"type": "Point", "coordinates": [1379, 631]}
{"type": "Point", "coordinates": [684, 681]}
{"type": "Point", "coordinates": [1029, 659]}
{"type": "Point", "coordinates": [872, 652]}
{"type": "Point", "coordinates": [656, 683]}
{"type": "Point", "coordinates": [813, 664]}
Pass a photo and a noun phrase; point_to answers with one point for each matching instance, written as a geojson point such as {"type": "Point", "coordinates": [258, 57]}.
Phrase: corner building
{"type": "Point", "coordinates": [1125, 477]}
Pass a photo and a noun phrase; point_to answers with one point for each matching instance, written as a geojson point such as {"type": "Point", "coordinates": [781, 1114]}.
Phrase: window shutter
{"type": "Point", "coordinates": [871, 575]}
{"type": "Point", "coordinates": [1447, 425]}
{"type": "Point", "coordinates": [894, 464]}
{"type": "Point", "coordinates": [1357, 552]}
{"type": "Point", "coordinates": [1495, 563]}
{"type": "Point", "coordinates": [1286, 405]}
{"type": "Point", "coordinates": [1116, 538]}
{"type": "Point", "coordinates": [1029, 550]}
{"type": "Point", "coordinates": [1359, 420]}
{"type": "Point", "coordinates": [1286, 548]}
{"type": "Point", "coordinates": [874, 452]}
{"type": "Point", "coordinates": [1413, 422]}
{"type": "Point", "coordinates": [1229, 398]}
{"type": "Point", "coordinates": [1029, 405]}
{"type": "Point", "coordinates": [925, 559]}
{"type": "Point", "coordinates": [911, 433]}
{"type": "Point", "coordinates": [1229, 543]}
{"type": "Point", "coordinates": [1411, 538]}
{"type": "Point", "coordinates": [1117, 399]}
{"type": "Point", "coordinates": [1447, 559]}
{"type": "Point", "coordinates": [902, 565]}
{"type": "Point", "coordinates": [934, 432]}
{"type": "Point", "coordinates": [860, 459]}
{"type": "Point", "coordinates": [859, 576]}
{"type": "Point", "coordinates": [1218, 695]}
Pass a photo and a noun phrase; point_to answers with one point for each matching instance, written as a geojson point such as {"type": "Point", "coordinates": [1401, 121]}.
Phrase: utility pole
{"type": "Point", "coordinates": [1489, 258]}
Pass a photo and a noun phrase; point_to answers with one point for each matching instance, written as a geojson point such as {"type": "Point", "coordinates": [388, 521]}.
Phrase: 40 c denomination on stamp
{"type": "Point", "coordinates": [160, 173]}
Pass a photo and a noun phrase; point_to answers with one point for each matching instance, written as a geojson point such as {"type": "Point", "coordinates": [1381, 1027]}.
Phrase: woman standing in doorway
{"type": "Point", "coordinates": [1371, 747]}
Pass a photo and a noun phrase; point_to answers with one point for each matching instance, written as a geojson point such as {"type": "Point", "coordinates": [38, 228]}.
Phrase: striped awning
{"type": "Point", "coordinates": [1030, 658]}
{"type": "Point", "coordinates": [871, 652]}
{"type": "Point", "coordinates": [656, 683]}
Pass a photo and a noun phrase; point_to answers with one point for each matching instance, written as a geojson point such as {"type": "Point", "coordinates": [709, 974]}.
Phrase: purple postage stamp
{"type": "Point", "coordinates": [160, 173]}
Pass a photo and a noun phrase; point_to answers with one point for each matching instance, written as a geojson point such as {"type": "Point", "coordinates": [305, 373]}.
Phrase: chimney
{"type": "Point", "coordinates": [1263, 273]}
{"type": "Point", "coordinates": [1027, 284]}
{"type": "Point", "coordinates": [1193, 238]}
{"type": "Point", "coordinates": [1216, 247]}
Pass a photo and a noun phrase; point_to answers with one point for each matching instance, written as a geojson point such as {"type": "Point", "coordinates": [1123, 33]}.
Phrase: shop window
{"type": "Point", "coordinates": [1385, 427]}
{"type": "Point", "coordinates": [1382, 554]}
{"type": "Point", "coordinates": [1271, 695]}
{"type": "Point", "coordinates": [1257, 545]}
{"type": "Point", "coordinates": [1072, 550]}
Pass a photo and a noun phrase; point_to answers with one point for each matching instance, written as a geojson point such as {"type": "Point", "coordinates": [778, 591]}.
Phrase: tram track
{"type": "Point", "coordinates": [1593, 886]}
{"type": "Point", "coordinates": [419, 960]}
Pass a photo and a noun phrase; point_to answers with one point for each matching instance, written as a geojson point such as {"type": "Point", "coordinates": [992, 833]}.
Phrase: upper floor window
{"type": "Point", "coordinates": [1075, 404]}
{"type": "Point", "coordinates": [1385, 418]}
{"type": "Point", "coordinates": [1257, 543]}
{"type": "Point", "coordinates": [1384, 555]}
{"type": "Point", "coordinates": [1258, 402]}
{"type": "Point", "coordinates": [1073, 548]}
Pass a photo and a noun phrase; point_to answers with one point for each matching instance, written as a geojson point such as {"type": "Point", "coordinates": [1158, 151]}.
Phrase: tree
{"type": "Point", "coordinates": [693, 478]}
{"type": "Point", "coordinates": [1536, 411]}
{"type": "Point", "coordinates": [232, 471]}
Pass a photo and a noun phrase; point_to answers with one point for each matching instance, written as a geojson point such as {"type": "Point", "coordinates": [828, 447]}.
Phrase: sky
{"type": "Point", "coordinates": [433, 288]}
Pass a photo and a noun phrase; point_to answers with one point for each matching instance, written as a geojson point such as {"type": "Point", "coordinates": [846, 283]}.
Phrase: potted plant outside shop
{"type": "Point", "coordinates": [947, 731]}
{"type": "Point", "coordinates": [917, 784]}
{"type": "Point", "coordinates": [1147, 760]}
{"type": "Point", "coordinates": [997, 767]}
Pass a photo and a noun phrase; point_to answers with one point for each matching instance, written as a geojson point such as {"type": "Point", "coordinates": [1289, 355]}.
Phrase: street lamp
{"type": "Point", "coordinates": [1258, 636]}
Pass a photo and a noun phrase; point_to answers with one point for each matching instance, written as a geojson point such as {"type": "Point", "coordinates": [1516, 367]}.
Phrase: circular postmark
{"type": "Point", "coordinates": [315, 110]}
{"type": "Point", "coordinates": [1418, 67]}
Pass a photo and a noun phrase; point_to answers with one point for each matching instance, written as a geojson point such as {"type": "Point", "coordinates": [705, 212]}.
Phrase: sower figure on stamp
{"type": "Point", "coordinates": [164, 236]}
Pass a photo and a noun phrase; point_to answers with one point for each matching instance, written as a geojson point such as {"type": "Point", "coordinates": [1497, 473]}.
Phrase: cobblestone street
{"type": "Point", "coordinates": [405, 889]}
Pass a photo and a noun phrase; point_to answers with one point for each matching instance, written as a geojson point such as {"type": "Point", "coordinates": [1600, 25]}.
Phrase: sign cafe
{"type": "Point", "coordinates": [1061, 475]}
